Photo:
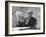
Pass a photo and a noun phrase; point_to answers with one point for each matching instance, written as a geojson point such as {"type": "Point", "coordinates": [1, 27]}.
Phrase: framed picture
{"type": "Point", "coordinates": [24, 18]}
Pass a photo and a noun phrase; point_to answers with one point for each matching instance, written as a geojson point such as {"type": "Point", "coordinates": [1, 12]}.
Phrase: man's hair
{"type": "Point", "coordinates": [30, 12]}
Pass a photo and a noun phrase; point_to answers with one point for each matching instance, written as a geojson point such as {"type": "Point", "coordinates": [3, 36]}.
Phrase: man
{"type": "Point", "coordinates": [31, 21]}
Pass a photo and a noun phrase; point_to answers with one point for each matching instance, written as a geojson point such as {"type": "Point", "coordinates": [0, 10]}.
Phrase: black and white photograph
{"type": "Point", "coordinates": [25, 18]}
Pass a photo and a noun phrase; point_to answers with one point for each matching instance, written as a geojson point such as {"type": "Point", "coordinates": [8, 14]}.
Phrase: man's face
{"type": "Point", "coordinates": [29, 14]}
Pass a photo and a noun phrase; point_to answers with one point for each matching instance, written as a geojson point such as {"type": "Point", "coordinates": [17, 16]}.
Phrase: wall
{"type": "Point", "coordinates": [2, 19]}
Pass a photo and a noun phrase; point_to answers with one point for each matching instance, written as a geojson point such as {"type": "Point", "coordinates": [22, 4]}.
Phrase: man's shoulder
{"type": "Point", "coordinates": [33, 18]}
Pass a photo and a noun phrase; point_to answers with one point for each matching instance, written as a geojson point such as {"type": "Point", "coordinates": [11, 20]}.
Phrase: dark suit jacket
{"type": "Point", "coordinates": [31, 23]}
